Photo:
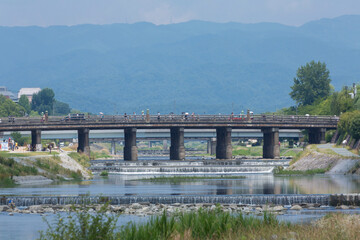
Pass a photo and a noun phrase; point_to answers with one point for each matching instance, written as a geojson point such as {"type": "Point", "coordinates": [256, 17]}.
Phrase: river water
{"type": "Point", "coordinates": [22, 226]}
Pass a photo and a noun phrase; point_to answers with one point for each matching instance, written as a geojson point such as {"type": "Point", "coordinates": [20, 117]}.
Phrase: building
{"type": "Point", "coordinates": [6, 93]}
{"type": "Point", "coordinates": [28, 92]}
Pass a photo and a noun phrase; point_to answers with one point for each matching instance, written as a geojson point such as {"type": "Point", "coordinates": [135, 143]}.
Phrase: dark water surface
{"type": "Point", "coordinates": [251, 184]}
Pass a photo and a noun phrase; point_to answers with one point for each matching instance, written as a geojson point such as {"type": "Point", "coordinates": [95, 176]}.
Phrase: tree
{"type": "Point", "coordinates": [341, 102]}
{"type": "Point", "coordinates": [61, 108]}
{"type": "Point", "coordinates": [43, 101]}
{"type": "Point", "coordinates": [9, 108]}
{"type": "Point", "coordinates": [312, 82]}
{"type": "Point", "coordinates": [24, 102]}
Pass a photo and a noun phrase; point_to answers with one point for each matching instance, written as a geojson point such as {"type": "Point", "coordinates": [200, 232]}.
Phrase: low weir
{"type": "Point", "coordinates": [322, 199]}
{"type": "Point", "coordinates": [188, 167]}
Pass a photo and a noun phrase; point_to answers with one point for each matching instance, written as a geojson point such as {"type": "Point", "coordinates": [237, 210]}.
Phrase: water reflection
{"type": "Point", "coordinates": [251, 184]}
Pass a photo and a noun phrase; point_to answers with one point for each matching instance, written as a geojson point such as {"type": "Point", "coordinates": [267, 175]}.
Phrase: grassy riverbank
{"type": "Point", "coordinates": [299, 172]}
{"type": "Point", "coordinates": [8, 154]}
{"type": "Point", "coordinates": [257, 151]}
{"type": "Point", "coordinates": [9, 168]}
{"type": "Point", "coordinates": [202, 224]}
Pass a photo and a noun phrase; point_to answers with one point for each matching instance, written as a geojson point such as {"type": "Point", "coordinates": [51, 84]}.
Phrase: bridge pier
{"type": "Point", "coordinates": [177, 148]}
{"type": "Point", "coordinates": [317, 135]}
{"type": "Point", "coordinates": [113, 147]}
{"type": "Point", "coordinates": [36, 140]}
{"type": "Point", "coordinates": [223, 143]}
{"type": "Point", "coordinates": [83, 140]}
{"type": "Point", "coordinates": [271, 147]}
{"type": "Point", "coordinates": [130, 148]}
{"type": "Point", "coordinates": [165, 145]}
{"type": "Point", "coordinates": [208, 146]}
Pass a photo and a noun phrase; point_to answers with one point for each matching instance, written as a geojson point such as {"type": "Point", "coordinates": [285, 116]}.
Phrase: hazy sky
{"type": "Point", "coordinates": [72, 12]}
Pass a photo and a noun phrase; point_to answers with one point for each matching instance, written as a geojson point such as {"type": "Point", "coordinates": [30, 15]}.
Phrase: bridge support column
{"type": "Point", "coordinates": [212, 146]}
{"type": "Point", "coordinates": [177, 148]}
{"type": "Point", "coordinates": [317, 135]}
{"type": "Point", "coordinates": [165, 145]}
{"type": "Point", "coordinates": [36, 140]}
{"type": "Point", "coordinates": [130, 148]}
{"type": "Point", "coordinates": [271, 147]}
{"type": "Point", "coordinates": [223, 143]}
{"type": "Point", "coordinates": [208, 146]}
{"type": "Point", "coordinates": [83, 141]}
{"type": "Point", "coordinates": [113, 147]}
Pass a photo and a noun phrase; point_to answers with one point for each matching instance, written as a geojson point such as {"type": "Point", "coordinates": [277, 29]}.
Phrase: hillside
{"type": "Point", "coordinates": [194, 66]}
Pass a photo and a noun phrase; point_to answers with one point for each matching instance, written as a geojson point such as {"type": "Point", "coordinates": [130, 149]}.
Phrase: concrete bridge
{"type": "Point", "coordinates": [224, 124]}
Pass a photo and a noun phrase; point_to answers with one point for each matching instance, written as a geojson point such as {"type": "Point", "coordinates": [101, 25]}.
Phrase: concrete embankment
{"type": "Point", "coordinates": [332, 162]}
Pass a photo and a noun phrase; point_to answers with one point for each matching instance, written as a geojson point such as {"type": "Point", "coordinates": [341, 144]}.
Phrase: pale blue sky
{"type": "Point", "coordinates": [72, 12]}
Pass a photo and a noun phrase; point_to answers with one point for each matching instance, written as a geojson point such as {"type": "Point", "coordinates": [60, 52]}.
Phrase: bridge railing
{"type": "Point", "coordinates": [171, 118]}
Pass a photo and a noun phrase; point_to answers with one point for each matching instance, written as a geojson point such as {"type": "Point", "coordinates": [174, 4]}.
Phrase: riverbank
{"type": "Point", "coordinates": [323, 159]}
{"type": "Point", "coordinates": [21, 167]}
{"type": "Point", "coordinates": [200, 223]}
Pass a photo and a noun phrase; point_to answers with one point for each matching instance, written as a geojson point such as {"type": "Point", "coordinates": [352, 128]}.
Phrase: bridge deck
{"type": "Point", "coordinates": [169, 121]}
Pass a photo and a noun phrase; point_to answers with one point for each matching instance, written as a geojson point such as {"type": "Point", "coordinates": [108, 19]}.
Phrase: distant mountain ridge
{"type": "Point", "coordinates": [194, 66]}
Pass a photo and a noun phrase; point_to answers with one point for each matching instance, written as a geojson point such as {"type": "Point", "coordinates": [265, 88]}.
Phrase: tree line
{"type": "Point", "coordinates": [313, 93]}
{"type": "Point", "coordinates": [43, 101]}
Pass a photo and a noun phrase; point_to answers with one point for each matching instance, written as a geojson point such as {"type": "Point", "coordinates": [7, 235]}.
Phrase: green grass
{"type": "Point", "coordinates": [104, 174]}
{"type": "Point", "coordinates": [101, 154]}
{"type": "Point", "coordinates": [202, 224]}
{"type": "Point", "coordinates": [25, 154]}
{"type": "Point", "coordinates": [244, 151]}
{"type": "Point", "coordinates": [9, 168]}
{"type": "Point", "coordinates": [289, 152]}
{"type": "Point", "coordinates": [53, 169]}
{"type": "Point", "coordinates": [298, 172]}
{"type": "Point", "coordinates": [186, 178]}
{"type": "Point", "coordinates": [81, 158]}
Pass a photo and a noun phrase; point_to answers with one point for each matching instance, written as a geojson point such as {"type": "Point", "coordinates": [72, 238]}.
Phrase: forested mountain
{"type": "Point", "coordinates": [194, 66]}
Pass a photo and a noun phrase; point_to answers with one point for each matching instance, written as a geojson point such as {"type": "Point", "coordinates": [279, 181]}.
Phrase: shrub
{"type": "Point", "coordinates": [82, 225]}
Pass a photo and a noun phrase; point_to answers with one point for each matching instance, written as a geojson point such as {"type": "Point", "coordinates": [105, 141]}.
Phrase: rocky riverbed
{"type": "Point", "coordinates": [145, 209]}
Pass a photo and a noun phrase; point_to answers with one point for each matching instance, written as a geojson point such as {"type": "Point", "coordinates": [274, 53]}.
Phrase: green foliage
{"type": "Point", "coordinates": [9, 108]}
{"type": "Point", "coordinates": [203, 224]}
{"type": "Point", "coordinates": [82, 225]}
{"type": "Point", "coordinates": [101, 154]}
{"type": "Point", "coordinates": [350, 124]}
{"type": "Point", "coordinates": [104, 174]}
{"type": "Point", "coordinates": [61, 108]}
{"type": "Point", "coordinates": [280, 171]}
{"type": "Point", "coordinates": [81, 158]}
{"type": "Point", "coordinates": [341, 102]}
{"type": "Point", "coordinates": [20, 139]}
{"type": "Point", "coordinates": [43, 101]}
{"type": "Point", "coordinates": [311, 83]}
{"type": "Point", "coordinates": [244, 151]}
{"type": "Point", "coordinates": [329, 135]}
{"type": "Point", "coordinates": [355, 126]}
{"type": "Point", "coordinates": [52, 168]}
{"type": "Point", "coordinates": [24, 102]}
{"type": "Point", "coordinates": [9, 168]}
